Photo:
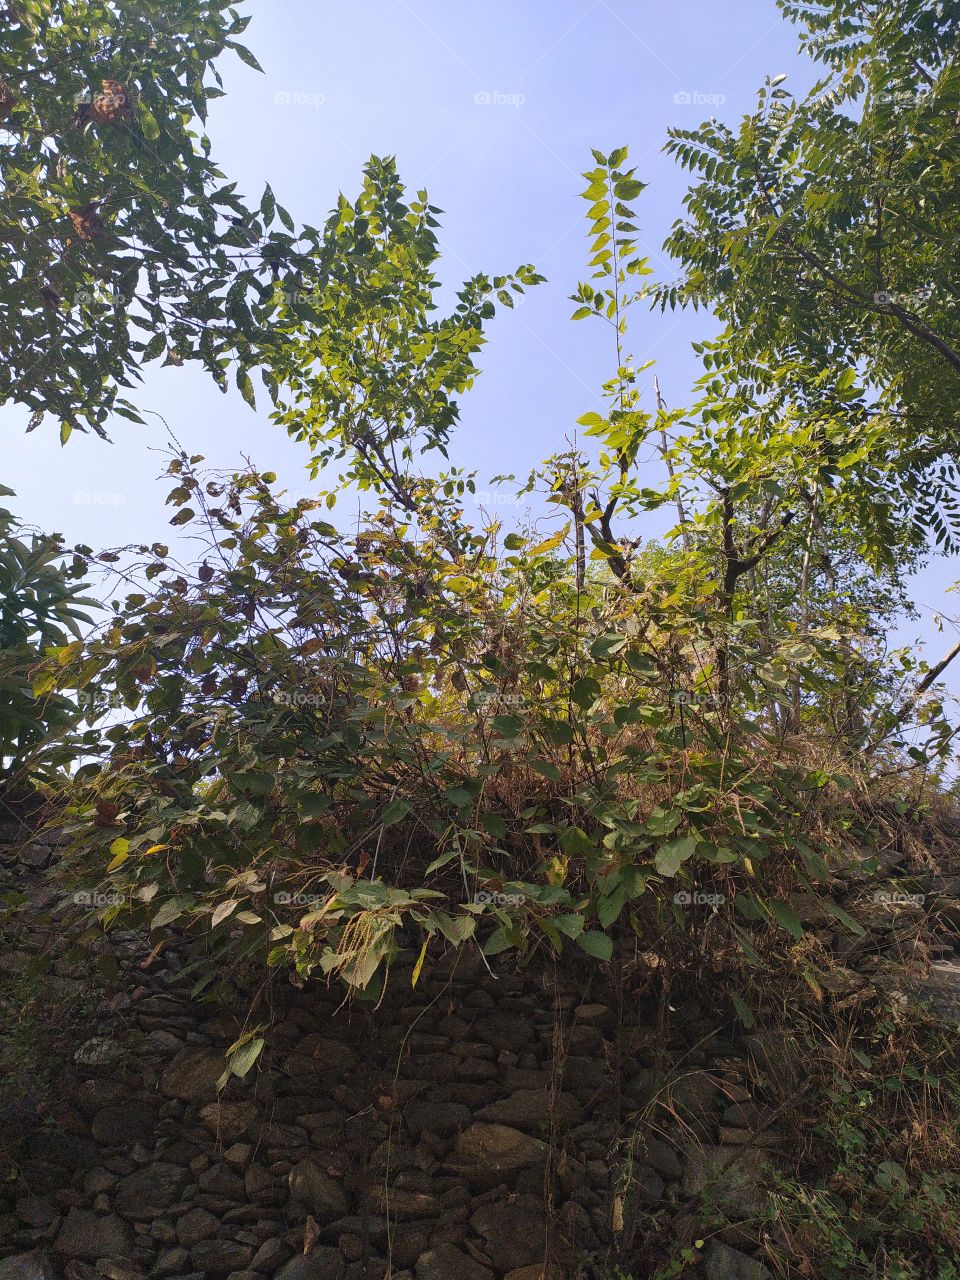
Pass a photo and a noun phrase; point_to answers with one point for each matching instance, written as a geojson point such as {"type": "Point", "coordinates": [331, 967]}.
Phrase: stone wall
{"type": "Point", "coordinates": [480, 1126]}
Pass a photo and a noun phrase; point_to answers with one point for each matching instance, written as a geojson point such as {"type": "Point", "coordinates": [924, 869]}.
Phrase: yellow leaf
{"type": "Point", "coordinates": [556, 870]}
{"type": "Point", "coordinates": [155, 848]}
{"type": "Point", "coordinates": [618, 1223]}
{"type": "Point", "coordinates": [543, 547]}
{"type": "Point", "coordinates": [419, 965]}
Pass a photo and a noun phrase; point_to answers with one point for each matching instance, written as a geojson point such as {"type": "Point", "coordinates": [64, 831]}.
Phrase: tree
{"type": "Point", "coordinates": [125, 241]}
{"type": "Point", "coordinates": [41, 606]}
{"type": "Point", "coordinates": [823, 233]}
{"type": "Point", "coordinates": [366, 371]}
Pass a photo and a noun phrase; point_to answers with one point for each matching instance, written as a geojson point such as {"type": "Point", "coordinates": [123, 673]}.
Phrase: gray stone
{"type": "Point", "coordinates": [450, 1263]}
{"type": "Point", "coordinates": [111, 1270]}
{"type": "Point", "coordinates": [148, 1193]}
{"type": "Point", "coordinates": [398, 1202]}
{"type": "Point", "coordinates": [260, 1185]}
{"type": "Point", "coordinates": [193, 1074]}
{"type": "Point", "coordinates": [327, 1053]}
{"type": "Point", "coordinates": [36, 856]}
{"type": "Point", "coordinates": [662, 1157]}
{"type": "Point", "coordinates": [530, 1109]}
{"type": "Point", "coordinates": [99, 1051]}
{"type": "Point", "coordinates": [695, 1098]}
{"type": "Point", "coordinates": [271, 1254]}
{"type": "Point", "coordinates": [220, 1257]}
{"type": "Point", "coordinates": [321, 1264]}
{"type": "Point", "coordinates": [220, 1180]}
{"type": "Point", "coordinates": [513, 1231]}
{"type": "Point", "coordinates": [92, 1236]}
{"type": "Point", "coordinates": [37, 1211]}
{"type": "Point", "coordinates": [646, 1187]}
{"type": "Point", "coordinates": [441, 1118]}
{"type": "Point", "coordinates": [239, 1155]}
{"type": "Point", "coordinates": [124, 1124]}
{"type": "Point", "coordinates": [97, 1180]}
{"type": "Point", "coordinates": [228, 1121]}
{"type": "Point", "coordinates": [504, 1031]}
{"type": "Point", "coordinates": [28, 1266]}
{"type": "Point", "coordinates": [537, 1272]}
{"type": "Point", "coordinates": [315, 1192]}
{"type": "Point", "coordinates": [723, 1263]}
{"type": "Point", "coordinates": [731, 1177]}
{"type": "Point", "coordinates": [171, 1262]}
{"type": "Point", "coordinates": [489, 1154]}
{"type": "Point", "coordinates": [195, 1226]}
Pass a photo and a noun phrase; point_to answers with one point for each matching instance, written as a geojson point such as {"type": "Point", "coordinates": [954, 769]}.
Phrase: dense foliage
{"type": "Point", "coordinates": [315, 750]}
{"type": "Point", "coordinates": [41, 603]}
{"type": "Point", "coordinates": [326, 739]}
{"type": "Point", "coordinates": [124, 241]}
{"type": "Point", "coordinates": [822, 231]}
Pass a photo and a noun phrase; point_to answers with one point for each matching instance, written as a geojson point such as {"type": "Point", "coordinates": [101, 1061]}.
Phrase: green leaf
{"type": "Point", "coordinates": [610, 906]}
{"type": "Point", "coordinates": [494, 824]}
{"type": "Point", "coordinates": [148, 122]}
{"type": "Point", "coordinates": [743, 1012]}
{"type": "Point", "coordinates": [312, 805]}
{"type": "Point", "coordinates": [169, 912]}
{"type": "Point", "coordinates": [507, 726]}
{"type": "Point", "coordinates": [395, 812]}
{"type": "Point", "coordinates": [596, 944]}
{"type": "Point", "coordinates": [244, 55]}
{"type": "Point", "coordinates": [223, 910]}
{"type": "Point", "coordinates": [670, 857]}
{"type": "Point", "coordinates": [502, 938]}
{"type": "Point", "coordinates": [256, 784]}
{"type": "Point", "coordinates": [246, 388]}
{"type": "Point", "coordinates": [628, 188]}
{"type": "Point", "coordinates": [786, 917]}
{"type": "Point", "coordinates": [570, 924]}
{"type": "Point", "coordinates": [838, 913]}
{"type": "Point", "coordinates": [245, 1057]}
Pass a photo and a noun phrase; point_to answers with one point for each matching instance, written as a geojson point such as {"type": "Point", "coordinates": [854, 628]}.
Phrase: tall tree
{"type": "Point", "coordinates": [124, 242]}
{"type": "Point", "coordinates": [823, 231]}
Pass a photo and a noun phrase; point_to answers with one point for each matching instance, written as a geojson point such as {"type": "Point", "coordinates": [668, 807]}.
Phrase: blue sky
{"type": "Point", "coordinates": [493, 105]}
